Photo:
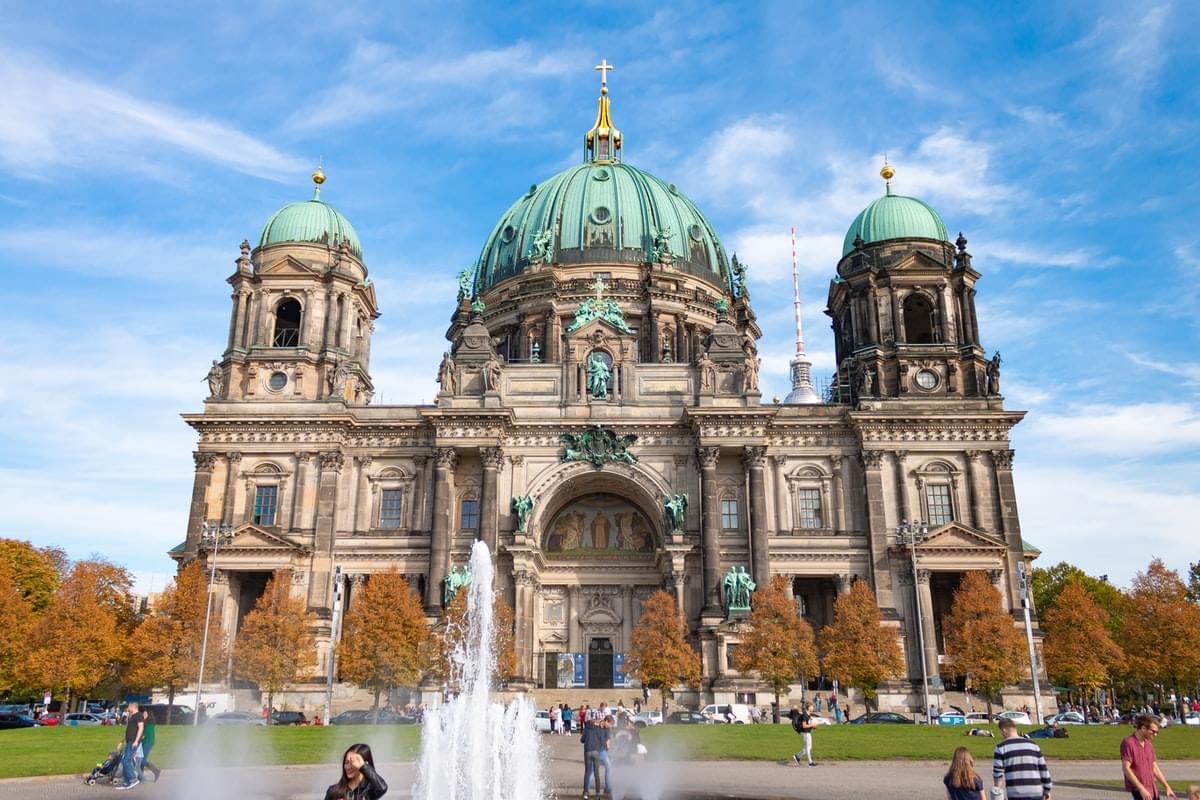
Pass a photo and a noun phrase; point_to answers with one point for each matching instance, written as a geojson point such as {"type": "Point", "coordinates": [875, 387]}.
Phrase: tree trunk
{"type": "Point", "coordinates": [663, 694]}
{"type": "Point", "coordinates": [270, 705]}
{"type": "Point", "coordinates": [68, 701]}
{"type": "Point", "coordinates": [170, 701]}
{"type": "Point", "coordinates": [775, 709]}
{"type": "Point", "coordinates": [375, 709]}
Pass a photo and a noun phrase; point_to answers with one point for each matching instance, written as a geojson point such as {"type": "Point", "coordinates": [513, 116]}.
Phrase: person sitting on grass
{"type": "Point", "coordinates": [979, 732]}
{"type": "Point", "coordinates": [961, 782]}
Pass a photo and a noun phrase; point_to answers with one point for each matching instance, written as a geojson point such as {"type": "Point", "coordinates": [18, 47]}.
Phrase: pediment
{"type": "Point", "coordinates": [252, 537]}
{"type": "Point", "coordinates": [288, 266]}
{"type": "Point", "coordinates": [601, 327]}
{"type": "Point", "coordinates": [554, 637]}
{"type": "Point", "coordinates": [919, 261]}
{"type": "Point", "coordinates": [957, 536]}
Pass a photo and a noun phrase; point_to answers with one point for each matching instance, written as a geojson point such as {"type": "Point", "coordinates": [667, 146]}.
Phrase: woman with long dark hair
{"type": "Point", "coordinates": [359, 779]}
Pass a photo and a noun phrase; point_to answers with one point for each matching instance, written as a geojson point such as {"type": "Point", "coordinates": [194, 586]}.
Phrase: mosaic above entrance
{"type": "Point", "coordinates": [600, 524]}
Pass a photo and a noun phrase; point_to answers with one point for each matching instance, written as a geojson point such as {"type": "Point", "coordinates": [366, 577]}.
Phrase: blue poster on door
{"type": "Point", "coordinates": [580, 681]}
{"type": "Point", "coordinates": [619, 678]}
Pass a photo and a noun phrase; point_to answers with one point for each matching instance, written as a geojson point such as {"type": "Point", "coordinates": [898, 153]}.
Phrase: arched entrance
{"type": "Point", "coordinates": [600, 663]}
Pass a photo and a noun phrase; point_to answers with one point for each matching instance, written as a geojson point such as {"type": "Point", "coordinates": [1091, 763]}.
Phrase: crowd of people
{"type": "Point", "coordinates": [610, 739]}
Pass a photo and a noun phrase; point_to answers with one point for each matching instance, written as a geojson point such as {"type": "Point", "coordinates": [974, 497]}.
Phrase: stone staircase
{"type": "Point", "coordinates": [544, 698]}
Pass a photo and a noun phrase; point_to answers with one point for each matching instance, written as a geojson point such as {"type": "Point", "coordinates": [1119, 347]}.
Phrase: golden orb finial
{"type": "Point", "coordinates": [887, 172]}
{"type": "Point", "coordinates": [318, 177]}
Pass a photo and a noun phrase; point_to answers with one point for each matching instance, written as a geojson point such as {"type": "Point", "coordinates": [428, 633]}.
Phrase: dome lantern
{"type": "Point", "coordinates": [603, 141]}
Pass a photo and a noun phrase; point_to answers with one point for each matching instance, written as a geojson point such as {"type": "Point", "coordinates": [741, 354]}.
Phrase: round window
{"type": "Point", "coordinates": [696, 232]}
{"type": "Point", "coordinates": [926, 379]}
{"type": "Point", "coordinates": [508, 233]}
{"type": "Point", "coordinates": [601, 174]}
{"type": "Point", "coordinates": [277, 381]}
{"type": "Point", "coordinates": [601, 215]}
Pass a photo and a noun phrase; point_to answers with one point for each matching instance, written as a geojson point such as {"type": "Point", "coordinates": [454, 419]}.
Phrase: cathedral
{"type": "Point", "coordinates": [599, 425]}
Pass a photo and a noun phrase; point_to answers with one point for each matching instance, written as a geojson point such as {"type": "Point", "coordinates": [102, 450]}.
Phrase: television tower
{"type": "Point", "coordinates": [802, 388]}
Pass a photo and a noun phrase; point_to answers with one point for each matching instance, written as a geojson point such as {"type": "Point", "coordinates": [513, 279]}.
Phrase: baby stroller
{"type": "Point", "coordinates": [109, 769]}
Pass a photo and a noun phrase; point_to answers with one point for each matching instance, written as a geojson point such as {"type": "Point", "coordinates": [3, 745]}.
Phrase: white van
{"type": "Point", "coordinates": [720, 713]}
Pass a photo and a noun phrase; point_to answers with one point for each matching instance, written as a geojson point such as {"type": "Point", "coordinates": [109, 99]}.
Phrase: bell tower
{"type": "Point", "coordinates": [303, 312]}
{"type": "Point", "coordinates": [903, 308]}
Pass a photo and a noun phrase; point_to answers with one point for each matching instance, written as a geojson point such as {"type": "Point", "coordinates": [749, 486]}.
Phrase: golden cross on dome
{"type": "Point", "coordinates": [598, 285]}
{"type": "Point", "coordinates": [604, 68]}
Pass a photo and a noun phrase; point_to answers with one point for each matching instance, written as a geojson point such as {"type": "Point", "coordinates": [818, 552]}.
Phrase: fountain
{"type": "Point", "coordinates": [473, 748]}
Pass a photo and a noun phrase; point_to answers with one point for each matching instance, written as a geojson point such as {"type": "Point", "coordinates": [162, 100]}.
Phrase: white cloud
{"type": "Point", "coordinates": [1121, 431]}
{"type": "Point", "coordinates": [1189, 371]}
{"type": "Point", "coordinates": [1128, 46]}
{"type": "Point", "coordinates": [1020, 253]}
{"type": "Point", "coordinates": [52, 118]}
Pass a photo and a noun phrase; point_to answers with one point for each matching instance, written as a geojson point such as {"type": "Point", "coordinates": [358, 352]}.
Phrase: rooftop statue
{"type": "Point", "coordinates": [542, 249]}
{"type": "Point", "coordinates": [464, 284]}
{"type": "Point", "coordinates": [599, 307]}
{"type": "Point", "coordinates": [216, 381]}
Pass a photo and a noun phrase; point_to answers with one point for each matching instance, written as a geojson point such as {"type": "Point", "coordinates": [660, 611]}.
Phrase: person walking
{"type": "Point", "coordinates": [961, 782]}
{"type": "Point", "coordinates": [595, 755]}
{"type": "Point", "coordinates": [555, 718]}
{"type": "Point", "coordinates": [133, 739]}
{"type": "Point", "coordinates": [833, 707]}
{"type": "Point", "coordinates": [566, 719]}
{"type": "Point", "coordinates": [803, 724]}
{"type": "Point", "coordinates": [1020, 764]}
{"type": "Point", "coordinates": [1139, 762]}
{"type": "Point", "coordinates": [359, 780]}
{"type": "Point", "coordinates": [147, 745]}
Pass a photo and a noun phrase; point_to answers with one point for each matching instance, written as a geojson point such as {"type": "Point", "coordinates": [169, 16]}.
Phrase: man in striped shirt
{"type": "Point", "coordinates": [1020, 763]}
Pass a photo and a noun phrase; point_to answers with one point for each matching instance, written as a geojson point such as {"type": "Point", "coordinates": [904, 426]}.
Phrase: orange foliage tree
{"type": "Point", "coordinates": [16, 617]}
{"type": "Point", "coordinates": [453, 630]}
{"type": "Point", "coordinates": [660, 653]}
{"type": "Point", "coordinates": [858, 651]}
{"type": "Point", "coordinates": [384, 636]}
{"type": "Point", "coordinates": [275, 644]}
{"type": "Point", "coordinates": [1079, 650]}
{"type": "Point", "coordinates": [164, 651]}
{"type": "Point", "coordinates": [77, 639]}
{"type": "Point", "coordinates": [1160, 629]}
{"type": "Point", "coordinates": [981, 640]}
{"type": "Point", "coordinates": [35, 571]}
{"type": "Point", "coordinates": [780, 645]}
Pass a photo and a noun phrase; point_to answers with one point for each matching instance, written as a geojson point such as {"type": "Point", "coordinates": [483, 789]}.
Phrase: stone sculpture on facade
{"type": "Point", "coordinates": [447, 376]}
{"type": "Point", "coordinates": [707, 370]}
{"type": "Point", "coordinates": [598, 374]}
{"type": "Point", "coordinates": [864, 379]}
{"type": "Point", "coordinates": [599, 307]}
{"type": "Point", "coordinates": [464, 284]}
{"type": "Point", "coordinates": [992, 374]}
{"type": "Point", "coordinates": [751, 373]}
{"type": "Point", "coordinates": [739, 277]}
{"type": "Point", "coordinates": [535, 353]}
{"type": "Point", "coordinates": [738, 586]}
{"type": "Point", "coordinates": [675, 506]}
{"type": "Point", "coordinates": [216, 381]}
{"type": "Point", "coordinates": [599, 445]}
{"type": "Point", "coordinates": [542, 249]}
{"type": "Point", "coordinates": [522, 506]}
{"type": "Point", "coordinates": [660, 252]}
{"type": "Point", "coordinates": [455, 579]}
{"type": "Point", "coordinates": [491, 374]}
{"type": "Point", "coordinates": [335, 378]}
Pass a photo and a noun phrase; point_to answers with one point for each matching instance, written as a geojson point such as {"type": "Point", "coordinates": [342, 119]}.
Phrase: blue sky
{"type": "Point", "coordinates": [141, 142]}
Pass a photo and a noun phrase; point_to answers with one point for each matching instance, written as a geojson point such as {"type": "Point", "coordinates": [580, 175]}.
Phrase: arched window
{"type": "Point", "coordinates": [287, 324]}
{"type": "Point", "coordinates": [918, 319]}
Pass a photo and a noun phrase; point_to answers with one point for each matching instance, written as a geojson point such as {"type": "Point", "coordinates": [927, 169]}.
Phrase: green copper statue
{"type": "Point", "coordinates": [599, 445]}
{"type": "Point", "coordinates": [598, 375]}
{"type": "Point", "coordinates": [458, 578]}
{"type": "Point", "coordinates": [738, 586]}
{"type": "Point", "coordinates": [464, 284]}
{"type": "Point", "coordinates": [522, 506]}
{"type": "Point", "coordinates": [676, 506]}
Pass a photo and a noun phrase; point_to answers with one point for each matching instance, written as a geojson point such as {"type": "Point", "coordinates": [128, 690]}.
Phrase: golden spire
{"type": "Point", "coordinates": [603, 141]}
{"type": "Point", "coordinates": [318, 177]}
{"type": "Point", "coordinates": [886, 173]}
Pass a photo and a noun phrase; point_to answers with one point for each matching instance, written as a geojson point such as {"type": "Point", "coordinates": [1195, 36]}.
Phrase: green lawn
{"type": "Point", "coordinates": [880, 742]}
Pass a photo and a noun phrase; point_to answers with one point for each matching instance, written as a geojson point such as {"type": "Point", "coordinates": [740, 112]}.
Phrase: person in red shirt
{"type": "Point", "coordinates": [1139, 762]}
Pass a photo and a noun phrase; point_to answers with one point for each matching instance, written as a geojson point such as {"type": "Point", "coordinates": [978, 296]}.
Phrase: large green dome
{"type": "Point", "coordinates": [310, 221]}
{"type": "Point", "coordinates": [603, 212]}
{"type": "Point", "coordinates": [894, 216]}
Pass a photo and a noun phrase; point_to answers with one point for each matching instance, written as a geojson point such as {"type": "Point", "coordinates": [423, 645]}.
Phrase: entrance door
{"type": "Point", "coordinates": [600, 664]}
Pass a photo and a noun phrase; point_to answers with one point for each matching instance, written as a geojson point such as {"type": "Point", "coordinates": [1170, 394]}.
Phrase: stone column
{"type": "Point", "coordinates": [417, 494]}
{"type": "Point", "coordinates": [1008, 522]}
{"type": "Point", "coordinates": [329, 315]}
{"type": "Point", "coordinates": [492, 459]}
{"type": "Point", "coordinates": [973, 489]}
{"type": "Point", "coordinates": [926, 612]}
{"type": "Point", "coordinates": [524, 625]}
{"type": "Point", "coordinates": [974, 317]}
{"type": "Point", "coordinates": [681, 594]}
{"type": "Point", "coordinates": [231, 469]}
{"type": "Point", "coordinates": [898, 457]}
{"type": "Point", "coordinates": [236, 297]}
{"type": "Point", "coordinates": [655, 344]}
{"type": "Point", "coordinates": [626, 618]}
{"type": "Point", "coordinates": [872, 313]}
{"type": "Point", "coordinates": [710, 527]}
{"type": "Point", "coordinates": [198, 510]}
{"type": "Point", "coordinates": [844, 582]}
{"type": "Point", "coordinates": [266, 318]}
{"type": "Point", "coordinates": [572, 619]}
{"type": "Point", "coordinates": [946, 306]}
{"type": "Point", "coordinates": [880, 576]}
{"type": "Point", "coordinates": [782, 523]}
{"type": "Point", "coordinates": [837, 514]}
{"type": "Point", "coordinates": [324, 536]}
{"type": "Point", "coordinates": [362, 498]}
{"type": "Point", "coordinates": [347, 322]}
{"type": "Point", "coordinates": [302, 459]}
{"type": "Point", "coordinates": [680, 343]}
{"type": "Point", "coordinates": [897, 322]}
{"type": "Point", "coordinates": [754, 459]}
{"type": "Point", "coordinates": [443, 514]}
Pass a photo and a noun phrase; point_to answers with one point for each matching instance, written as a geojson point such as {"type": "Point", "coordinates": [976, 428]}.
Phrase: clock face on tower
{"type": "Point", "coordinates": [926, 379]}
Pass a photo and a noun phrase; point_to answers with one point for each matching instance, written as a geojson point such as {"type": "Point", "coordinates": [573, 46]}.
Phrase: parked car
{"type": "Point", "coordinates": [180, 715]}
{"type": "Point", "coordinates": [289, 718]}
{"type": "Point", "coordinates": [11, 721]}
{"type": "Point", "coordinates": [648, 718]}
{"type": "Point", "coordinates": [83, 720]}
{"type": "Point", "coordinates": [1019, 717]}
{"type": "Point", "coordinates": [541, 722]}
{"type": "Point", "coordinates": [236, 718]}
{"type": "Point", "coordinates": [1066, 718]}
{"type": "Point", "coordinates": [352, 717]}
{"type": "Point", "coordinates": [1191, 718]}
{"type": "Point", "coordinates": [881, 718]}
{"type": "Point", "coordinates": [687, 718]}
{"type": "Point", "coordinates": [721, 712]}
{"type": "Point", "coordinates": [979, 718]}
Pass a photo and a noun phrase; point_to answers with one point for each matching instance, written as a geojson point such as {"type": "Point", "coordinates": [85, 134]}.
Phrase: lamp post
{"type": "Point", "coordinates": [212, 534]}
{"type": "Point", "coordinates": [910, 534]}
{"type": "Point", "coordinates": [334, 626]}
{"type": "Point", "coordinates": [1033, 665]}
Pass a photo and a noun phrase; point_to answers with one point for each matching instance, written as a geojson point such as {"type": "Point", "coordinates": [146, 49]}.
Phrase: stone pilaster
{"type": "Point", "coordinates": [198, 511]}
{"type": "Point", "coordinates": [232, 460]}
{"type": "Point", "coordinates": [710, 527]}
{"type": "Point", "coordinates": [331, 463]}
{"type": "Point", "coordinates": [362, 498]}
{"type": "Point", "coordinates": [754, 459]}
{"type": "Point", "coordinates": [445, 460]}
{"type": "Point", "coordinates": [898, 457]}
{"type": "Point", "coordinates": [1009, 522]}
{"type": "Point", "coordinates": [492, 459]}
{"type": "Point", "coordinates": [837, 514]}
{"type": "Point", "coordinates": [877, 530]}
{"type": "Point", "coordinates": [782, 523]}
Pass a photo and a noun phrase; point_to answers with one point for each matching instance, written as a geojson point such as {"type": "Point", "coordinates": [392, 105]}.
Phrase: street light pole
{"type": "Point", "coordinates": [334, 625]}
{"type": "Point", "coordinates": [1033, 665]}
{"type": "Point", "coordinates": [213, 533]}
{"type": "Point", "coordinates": [911, 534]}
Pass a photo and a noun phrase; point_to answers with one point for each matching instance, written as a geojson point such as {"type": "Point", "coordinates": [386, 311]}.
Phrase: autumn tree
{"type": "Point", "coordinates": [779, 645]}
{"type": "Point", "coordinates": [35, 571]}
{"type": "Point", "coordinates": [16, 617]}
{"type": "Point", "coordinates": [1194, 582]}
{"type": "Point", "coordinates": [1048, 583]}
{"type": "Point", "coordinates": [384, 635]}
{"type": "Point", "coordinates": [660, 653]}
{"type": "Point", "coordinates": [453, 630]}
{"type": "Point", "coordinates": [981, 640]}
{"type": "Point", "coordinates": [77, 638]}
{"type": "Point", "coordinates": [275, 644]}
{"type": "Point", "coordinates": [1078, 649]}
{"type": "Point", "coordinates": [1160, 629]}
{"type": "Point", "coordinates": [164, 650]}
{"type": "Point", "coordinates": [858, 651]}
